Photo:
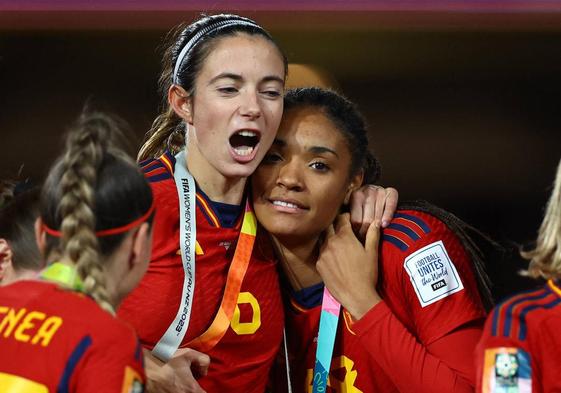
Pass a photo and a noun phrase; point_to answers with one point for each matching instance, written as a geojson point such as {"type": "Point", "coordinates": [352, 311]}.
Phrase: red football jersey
{"type": "Point", "coordinates": [240, 362]}
{"type": "Point", "coordinates": [519, 349]}
{"type": "Point", "coordinates": [429, 289]}
{"type": "Point", "coordinates": [56, 340]}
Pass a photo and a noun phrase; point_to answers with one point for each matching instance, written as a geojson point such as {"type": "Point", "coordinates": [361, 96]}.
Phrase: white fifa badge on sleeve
{"type": "Point", "coordinates": [432, 273]}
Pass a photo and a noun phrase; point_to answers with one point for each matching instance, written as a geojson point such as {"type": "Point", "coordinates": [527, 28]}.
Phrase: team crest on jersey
{"type": "Point", "coordinates": [225, 244]}
{"type": "Point", "coordinates": [506, 370]}
{"type": "Point", "coordinates": [432, 273]}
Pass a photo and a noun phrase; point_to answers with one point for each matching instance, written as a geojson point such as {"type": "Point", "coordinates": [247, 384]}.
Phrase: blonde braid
{"type": "Point", "coordinates": [545, 259]}
{"type": "Point", "coordinates": [84, 153]}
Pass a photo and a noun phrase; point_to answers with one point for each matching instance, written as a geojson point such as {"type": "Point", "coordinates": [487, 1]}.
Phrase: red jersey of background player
{"type": "Point", "coordinates": [428, 290]}
{"type": "Point", "coordinates": [57, 340]}
{"type": "Point", "coordinates": [519, 349]}
{"type": "Point", "coordinates": [241, 360]}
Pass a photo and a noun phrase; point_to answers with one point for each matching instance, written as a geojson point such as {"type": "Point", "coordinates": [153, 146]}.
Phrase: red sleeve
{"type": "Point", "coordinates": [112, 364]}
{"type": "Point", "coordinates": [445, 365]}
{"type": "Point", "coordinates": [428, 282]}
{"type": "Point", "coordinates": [488, 347]}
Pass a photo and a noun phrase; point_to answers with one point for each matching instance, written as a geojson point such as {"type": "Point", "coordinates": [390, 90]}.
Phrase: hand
{"type": "Point", "coordinates": [179, 374]}
{"type": "Point", "coordinates": [349, 269]}
{"type": "Point", "coordinates": [372, 204]}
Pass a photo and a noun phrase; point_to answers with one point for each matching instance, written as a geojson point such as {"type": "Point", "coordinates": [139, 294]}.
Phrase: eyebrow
{"type": "Point", "coordinates": [314, 149]}
{"type": "Point", "coordinates": [237, 77]}
{"type": "Point", "coordinates": [322, 149]}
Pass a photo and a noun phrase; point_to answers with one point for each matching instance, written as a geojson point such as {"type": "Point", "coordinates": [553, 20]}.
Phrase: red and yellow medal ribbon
{"type": "Point", "coordinates": [236, 273]}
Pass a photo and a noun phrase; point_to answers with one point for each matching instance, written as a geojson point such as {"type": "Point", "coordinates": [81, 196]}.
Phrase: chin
{"type": "Point", "coordinates": [281, 229]}
{"type": "Point", "coordinates": [237, 170]}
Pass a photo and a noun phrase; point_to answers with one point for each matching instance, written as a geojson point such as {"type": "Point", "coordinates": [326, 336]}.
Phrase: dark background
{"type": "Point", "coordinates": [463, 107]}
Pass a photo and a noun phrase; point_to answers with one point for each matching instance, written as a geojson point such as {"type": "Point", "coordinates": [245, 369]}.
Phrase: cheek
{"type": "Point", "coordinates": [274, 116]}
{"type": "Point", "coordinates": [262, 179]}
{"type": "Point", "coordinates": [330, 202]}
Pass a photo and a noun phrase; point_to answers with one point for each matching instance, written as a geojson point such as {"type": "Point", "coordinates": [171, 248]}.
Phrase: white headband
{"type": "Point", "coordinates": [209, 29]}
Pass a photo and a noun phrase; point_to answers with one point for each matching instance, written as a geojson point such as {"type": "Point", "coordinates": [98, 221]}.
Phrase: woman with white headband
{"type": "Point", "coordinates": [212, 284]}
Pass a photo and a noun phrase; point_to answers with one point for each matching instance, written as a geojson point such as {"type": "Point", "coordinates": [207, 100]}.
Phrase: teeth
{"type": "Point", "coordinates": [285, 204]}
{"type": "Point", "coordinates": [243, 150]}
{"type": "Point", "coordinates": [247, 133]}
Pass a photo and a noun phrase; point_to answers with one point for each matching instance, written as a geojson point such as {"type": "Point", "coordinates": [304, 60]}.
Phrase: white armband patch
{"type": "Point", "coordinates": [432, 273]}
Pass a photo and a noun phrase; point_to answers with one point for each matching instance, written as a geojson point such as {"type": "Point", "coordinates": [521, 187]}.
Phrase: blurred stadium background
{"type": "Point", "coordinates": [463, 98]}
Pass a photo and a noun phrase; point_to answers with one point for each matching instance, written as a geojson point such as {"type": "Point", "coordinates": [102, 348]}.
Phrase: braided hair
{"type": "Point", "coordinates": [92, 186]}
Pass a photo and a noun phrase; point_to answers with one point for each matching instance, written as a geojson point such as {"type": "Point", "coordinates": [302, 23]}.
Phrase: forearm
{"type": "Point", "coordinates": [410, 365]}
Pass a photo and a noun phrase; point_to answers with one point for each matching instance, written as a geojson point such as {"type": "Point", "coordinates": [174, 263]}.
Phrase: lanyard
{"type": "Point", "coordinates": [63, 274]}
{"type": "Point", "coordinates": [236, 273]}
{"type": "Point", "coordinates": [172, 338]}
{"type": "Point", "coordinates": [329, 317]}
{"type": "Point", "coordinates": [185, 184]}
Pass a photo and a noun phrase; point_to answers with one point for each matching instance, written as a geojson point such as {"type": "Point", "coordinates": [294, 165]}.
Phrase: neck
{"type": "Point", "coordinates": [214, 184]}
{"type": "Point", "coordinates": [298, 261]}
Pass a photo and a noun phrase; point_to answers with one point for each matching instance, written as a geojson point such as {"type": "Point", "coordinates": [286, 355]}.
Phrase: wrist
{"type": "Point", "coordinates": [360, 308]}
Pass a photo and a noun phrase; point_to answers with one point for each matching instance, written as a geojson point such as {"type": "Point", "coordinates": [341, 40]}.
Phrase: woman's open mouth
{"type": "Point", "coordinates": [244, 144]}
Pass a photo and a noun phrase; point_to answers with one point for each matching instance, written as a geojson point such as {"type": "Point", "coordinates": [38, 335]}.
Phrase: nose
{"type": "Point", "coordinates": [290, 176]}
{"type": "Point", "coordinates": [251, 107]}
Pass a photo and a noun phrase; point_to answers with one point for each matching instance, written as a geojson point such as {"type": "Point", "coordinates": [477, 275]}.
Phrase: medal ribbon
{"type": "Point", "coordinates": [172, 338]}
{"type": "Point", "coordinates": [330, 309]}
{"type": "Point", "coordinates": [185, 184]}
{"type": "Point", "coordinates": [236, 273]}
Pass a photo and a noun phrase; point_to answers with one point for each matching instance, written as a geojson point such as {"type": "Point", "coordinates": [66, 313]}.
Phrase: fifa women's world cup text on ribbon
{"type": "Point", "coordinates": [173, 337]}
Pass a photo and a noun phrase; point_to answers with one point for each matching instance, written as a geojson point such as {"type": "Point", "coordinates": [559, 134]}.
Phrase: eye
{"type": "Point", "coordinates": [227, 90]}
{"type": "Point", "coordinates": [271, 93]}
{"type": "Point", "coordinates": [319, 166]}
{"type": "Point", "coordinates": [271, 158]}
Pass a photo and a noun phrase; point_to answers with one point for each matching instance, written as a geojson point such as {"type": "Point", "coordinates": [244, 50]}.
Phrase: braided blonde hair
{"type": "Point", "coordinates": [85, 149]}
{"type": "Point", "coordinates": [93, 186]}
{"type": "Point", "coordinates": [545, 258]}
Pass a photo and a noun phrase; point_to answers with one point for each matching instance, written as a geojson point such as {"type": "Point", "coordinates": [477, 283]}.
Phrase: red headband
{"type": "Point", "coordinates": [111, 231]}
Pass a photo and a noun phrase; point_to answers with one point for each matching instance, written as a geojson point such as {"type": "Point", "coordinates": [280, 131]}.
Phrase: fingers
{"type": "Point", "coordinates": [197, 361]}
{"type": "Point", "coordinates": [342, 221]}
{"type": "Point", "coordinates": [357, 204]}
{"type": "Point", "coordinates": [390, 207]}
{"type": "Point", "coordinates": [330, 231]}
{"type": "Point", "coordinates": [372, 240]}
{"type": "Point", "coordinates": [201, 364]}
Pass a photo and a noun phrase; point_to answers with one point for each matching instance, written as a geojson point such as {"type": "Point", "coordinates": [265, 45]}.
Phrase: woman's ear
{"type": "Point", "coordinates": [141, 247]}
{"type": "Point", "coordinates": [181, 102]}
{"type": "Point", "coordinates": [40, 236]}
{"type": "Point", "coordinates": [356, 182]}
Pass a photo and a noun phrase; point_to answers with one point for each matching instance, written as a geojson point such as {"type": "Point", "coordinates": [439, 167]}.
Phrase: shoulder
{"type": "Point", "coordinates": [411, 229]}
{"type": "Point", "coordinates": [415, 239]}
{"type": "Point", "coordinates": [426, 266]}
{"type": "Point", "coordinates": [159, 173]}
{"type": "Point", "coordinates": [158, 169]}
{"type": "Point", "coordinates": [514, 317]}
